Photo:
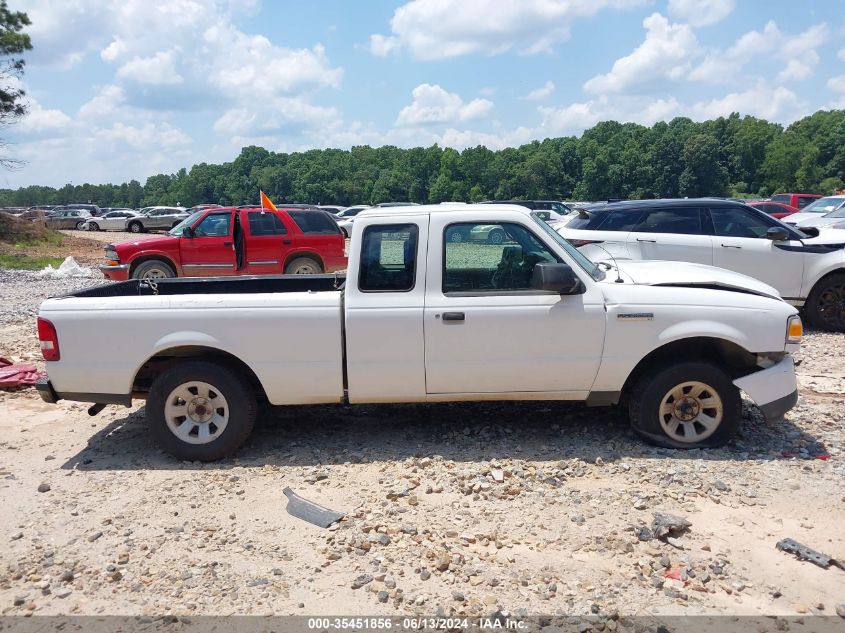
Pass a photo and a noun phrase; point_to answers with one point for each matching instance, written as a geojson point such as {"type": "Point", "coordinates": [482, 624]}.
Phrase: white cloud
{"type": "Point", "coordinates": [382, 45]}
{"type": "Point", "coordinates": [538, 94]}
{"type": "Point", "coordinates": [438, 29]}
{"type": "Point", "coordinates": [797, 52]}
{"type": "Point", "coordinates": [665, 54]}
{"type": "Point", "coordinates": [280, 115]}
{"type": "Point", "coordinates": [432, 105]}
{"type": "Point", "coordinates": [700, 12]}
{"type": "Point", "coordinates": [774, 103]}
{"type": "Point", "coordinates": [156, 70]}
{"type": "Point", "coordinates": [836, 84]}
{"type": "Point", "coordinates": [577, 117]}
{"type": "Point", "coordinates": [841, 54]}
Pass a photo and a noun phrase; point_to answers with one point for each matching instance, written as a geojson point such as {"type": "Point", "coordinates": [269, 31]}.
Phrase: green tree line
{"type": "Point", "coordinates": [728, 156]}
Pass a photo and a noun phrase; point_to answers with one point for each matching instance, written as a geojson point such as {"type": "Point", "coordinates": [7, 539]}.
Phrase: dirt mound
{"type": "Point", "coordinates": [16, 231]}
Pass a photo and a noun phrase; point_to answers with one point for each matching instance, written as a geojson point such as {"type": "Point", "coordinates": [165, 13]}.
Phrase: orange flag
{"type": "Point", "coordinates": [266, 203]}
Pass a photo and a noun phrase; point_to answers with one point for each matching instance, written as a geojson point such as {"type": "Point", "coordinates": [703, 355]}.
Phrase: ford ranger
{"type": "Point", "coordinates": [420, 318]}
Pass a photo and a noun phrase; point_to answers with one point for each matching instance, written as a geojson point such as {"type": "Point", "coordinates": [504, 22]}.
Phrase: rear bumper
{"type": "Point", "coordinates": [774, 389]}
{"type": "Point", "coordinates": [116, 273]}
{"type": "Point", "coordinates": [49, 394]}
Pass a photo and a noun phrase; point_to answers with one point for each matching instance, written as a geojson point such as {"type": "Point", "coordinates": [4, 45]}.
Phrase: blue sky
{"type": "Point", "coordinates": [123, 89]}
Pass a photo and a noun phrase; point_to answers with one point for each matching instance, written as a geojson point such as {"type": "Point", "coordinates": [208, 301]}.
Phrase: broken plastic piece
{"type": "Point", "coordinates": [807, 553]}
{"type": "Point", "coordinates": [15, 375]}
{"type": "Point", "coordinates": [310, 511]}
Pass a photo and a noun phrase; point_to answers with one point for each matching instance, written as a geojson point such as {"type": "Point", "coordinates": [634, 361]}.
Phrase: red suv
{"type": "Point", "coordinates": [228, 241]}
{"type": "Point", "coordinates": [797, 200]}
{"type": "Point", "coordinates": [775, 209]}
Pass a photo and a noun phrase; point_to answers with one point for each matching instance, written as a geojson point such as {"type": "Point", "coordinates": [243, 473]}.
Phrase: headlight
{"type": "Point", "coordinates": [794, 329]}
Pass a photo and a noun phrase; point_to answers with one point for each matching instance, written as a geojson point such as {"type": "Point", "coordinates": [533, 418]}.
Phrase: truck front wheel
{"type": "Point", "coordinates": [686, 405]}
{"type": "Point", "coordinates": [199, 410]}
{"type": "Point", "coordinates": [153, 269]}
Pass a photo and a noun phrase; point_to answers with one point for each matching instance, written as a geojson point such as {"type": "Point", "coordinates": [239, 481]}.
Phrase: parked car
{"type": "Point", "coordinates": [551, 210]}
{"type": "Point", "coordinates": [92, 209]}
{"type": "Point", "coordinates": [797, 200]}
{"type": "Point", "coordinates": [35, 214]}
{"type": "Point", "coordinates": [67, 219]}
{"type": "Point", "coordinates": [807, 272]}
{"type": "Point", "coordinates": [777, 210]}
{"type": "Point", "coordinates": [346, 218]}
{"type": "Point", "coordinates": [229, 241]}
{"type": "Point", "coordinates": [833, 220]}
{"type": "Point", "coordinates": [476, 322]}
{"type": "Point", "coordinates": [818, 209]}
{"type": "Point", "coordinates": [151, 218]}
{"type": "Point", "coordinates": [112, 221]}
{"type": "Point", "coordinates": [331, 208]}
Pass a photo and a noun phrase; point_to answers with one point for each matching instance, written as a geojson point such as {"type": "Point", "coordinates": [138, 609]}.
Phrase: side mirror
{"type": "Point", "coordinates": [555, 278]}
{"type": "Point", "coordinates": [188, 231]}
{"type": "Point", "coordinates": [777, 234]}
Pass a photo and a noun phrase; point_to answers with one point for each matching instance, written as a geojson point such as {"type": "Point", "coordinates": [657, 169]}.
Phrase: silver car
{"type": "Point", "coordinates": [151, 218]}
{"type": "Point", "coordinates": [111, 221]}
{"type": "Point", "coordinates": [67, 219]}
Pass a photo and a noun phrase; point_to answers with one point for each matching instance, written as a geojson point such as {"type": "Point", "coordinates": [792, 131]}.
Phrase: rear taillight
{"type": "Point", "coordinates": [580, 243]}
{"type": "Point", "coordinates": [49, 340]}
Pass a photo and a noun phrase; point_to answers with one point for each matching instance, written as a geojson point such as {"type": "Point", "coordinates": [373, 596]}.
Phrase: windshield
{"type": "Point", "coordinates": [591, 268]}
{"type": "Point", "coordinates": [823, 205]}
{"type": "Point", "coordinates": [177, 230]}
{"type": "Point", "coordinates": [839, 213]}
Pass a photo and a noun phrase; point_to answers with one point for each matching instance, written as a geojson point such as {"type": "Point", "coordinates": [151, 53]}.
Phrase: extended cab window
{"type": "Point", "coordinates": [265, 223]}
{"type": "Point", "coordinates": [313, 221]}
{"type": "Point", "coordinates": [490, 257]}
{"type": "Point", "coordinates": [388, 258]}
{"type": "Point", "coordinates": [682, 220]}
{"type": "Point", "coordinates": [214, 225]}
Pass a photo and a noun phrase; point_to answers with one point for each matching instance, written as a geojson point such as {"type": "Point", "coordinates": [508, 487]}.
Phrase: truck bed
{"type": "Point", "coordinates": [217, 285]}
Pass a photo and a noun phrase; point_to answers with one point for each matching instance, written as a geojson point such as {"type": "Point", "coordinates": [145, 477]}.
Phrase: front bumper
{"type": "Point", "coordinates": [774, 390]}
{"type": "Point", "coordinates": [116, 273]}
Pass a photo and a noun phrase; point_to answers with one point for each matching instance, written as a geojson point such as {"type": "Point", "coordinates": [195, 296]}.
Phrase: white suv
{"type": "Point", "coordinates": [807, 271]}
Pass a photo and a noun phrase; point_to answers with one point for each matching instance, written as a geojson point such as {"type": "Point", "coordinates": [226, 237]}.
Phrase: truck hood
{"type": "Point", "coordinates": [163, 243]}
{"type": "Point", "coordinates": [687, 275]}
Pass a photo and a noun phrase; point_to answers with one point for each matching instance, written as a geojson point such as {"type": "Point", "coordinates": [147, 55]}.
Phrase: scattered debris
{"type": "Point", "coordinates": [68, 268]}
{"type": "Point", "coordinates": [665, 525]}
{"type": "Point", "coordinates": [14, 375]}
{"type": "Point", "coordinates": [802, 552]}
{"type": "Point", "coordinates": [310, 511]}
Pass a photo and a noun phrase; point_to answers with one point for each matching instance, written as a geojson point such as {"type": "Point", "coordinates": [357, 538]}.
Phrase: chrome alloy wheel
{"type": "Point", "coordinates": [691, 412]}
{"type": "Point", "coordinates": [196, 412]}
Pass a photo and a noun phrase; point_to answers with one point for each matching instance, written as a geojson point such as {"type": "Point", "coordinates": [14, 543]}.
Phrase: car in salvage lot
{"type": "Point", "coordinates": [808, 272]}
{"type": "Point", "coordinates": [415, 321]}
{"type": "Point", "coordinates": [111, 220]}
{"type": "Point", "coordinates": [151, 218]}
{"type": "Point", "coordinates": [819, 213]}
{"type": "Point", "coordinates": [67, 219]}
{"type": "Point", "coordinates": [227, 241]}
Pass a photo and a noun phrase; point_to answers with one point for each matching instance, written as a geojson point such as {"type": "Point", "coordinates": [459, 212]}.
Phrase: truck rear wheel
{"type": "Point", "coordinates": [686, 405]}
{"type": "Point", "coordinates": [201, 411]}
{"type": "Point", "coordinates": [153, 269]}
{"type": "Point", "coordinates": [825, 307]}
{"type": "Point", "coordinates": [303, 266]}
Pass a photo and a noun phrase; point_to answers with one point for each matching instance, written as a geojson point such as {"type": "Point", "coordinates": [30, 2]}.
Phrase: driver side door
{"type": "Point", "coordinates": [211, 251]}
{"type": "Point", "coordinates": [487, 331]}
{"type": "Point", "coordinates": [740, 244]}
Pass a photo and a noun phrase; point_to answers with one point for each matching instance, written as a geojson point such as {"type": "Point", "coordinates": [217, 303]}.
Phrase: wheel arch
{"type": "Point", "coordinates": [170, 356]}
{"type": "Point", "coordinates": [133, 265]}
{"type": "Point", "coordinates": [719, 351]}
{"type": "Point", "coordinates": [305, 253]}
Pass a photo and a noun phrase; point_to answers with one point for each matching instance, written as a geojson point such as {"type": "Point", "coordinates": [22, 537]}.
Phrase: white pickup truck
{"type": "Point", "coordinates": [422, 318]}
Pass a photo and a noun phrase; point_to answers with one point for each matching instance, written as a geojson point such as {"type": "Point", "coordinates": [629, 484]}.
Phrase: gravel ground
{"type": "Point", "coordinates": [456, 509]}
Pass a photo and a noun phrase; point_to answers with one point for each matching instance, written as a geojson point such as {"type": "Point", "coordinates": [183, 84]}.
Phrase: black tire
{"type": "Point", "coordinates": [657, 382]}
{"type": "Point", "coordinates": [239, 396]}
{"type": "Point", "coordinates": [93, 226]}
{"type": "Point", "coordinates": [155, 269]}
{"type": "Point", "coordinates": [303, 266]}
{"type": "Point", "coordinates": [825, 307]}
{"type": "Point", "coordinates": [135, 227]}
{"type": "Point", "coordinates": [496, 236]}
{"type": "Point", "coordinates": [80, 225]}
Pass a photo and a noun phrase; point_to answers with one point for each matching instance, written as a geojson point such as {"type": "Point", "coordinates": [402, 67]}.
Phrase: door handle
{"type": "Point", "coordinates": [285, 241]}
{"type": "Point", "coordinates": [652, 241]}
{"type": "Point", "coordinates": [731, 246]}
{"type": "Point", "coordinates": [454, 316]}
{"type": "Point", "coordinates": [227, 243]}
